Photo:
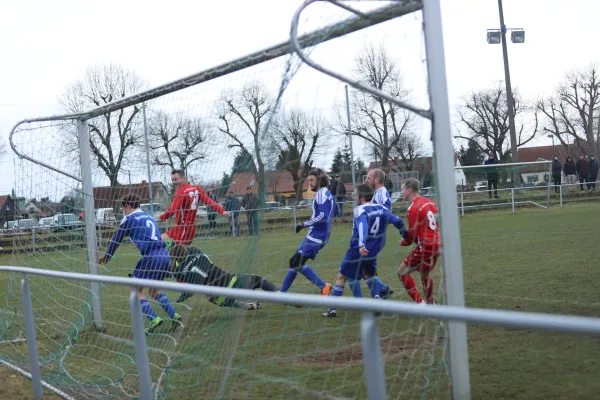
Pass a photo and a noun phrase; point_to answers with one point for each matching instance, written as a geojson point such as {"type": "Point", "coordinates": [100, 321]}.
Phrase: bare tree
{"type": "Point", "coordinates": [297, 136]}
{"type": "Point", "coordinates": [112, 135]}
{"type": "Point", "coordinates": [178, 142]}
{"type": "Point", "coordinates": [243, 116]}
{"type": "Point", "coordinates": [484, 114]}
{"type": "Point", "coordinates": [387, 128]}
{"type": "Point", "coordinates": [569, 114]}
{"type": "Point", "coordinates": [3, 149]}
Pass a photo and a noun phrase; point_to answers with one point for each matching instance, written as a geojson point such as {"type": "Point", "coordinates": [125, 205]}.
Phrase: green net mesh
{"type": "Point", "coordinates": [227, 134]}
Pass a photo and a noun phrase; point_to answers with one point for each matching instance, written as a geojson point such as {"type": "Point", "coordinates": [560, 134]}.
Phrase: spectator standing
{"type": "Point", "coordinates": [212, 214]}
{"type": "Point", "coordinates": [582, 167]}
{"type": "Point", "coordinates": [570, 173]}
{"type": "Point", "coordinates": [332, 189]}
{"type": "Point", "coordinates": [250, 204]}
{"type": "Point", "coordinates": [593, 174]}
{"type": "Point", "coordinates": [492, 175]}
{"type": "Point", "coordinates": [232, 204]}
{"type": "Point", "coordinates": [340, 195]}
{"type": "Point", "coordinates": [556, 173]}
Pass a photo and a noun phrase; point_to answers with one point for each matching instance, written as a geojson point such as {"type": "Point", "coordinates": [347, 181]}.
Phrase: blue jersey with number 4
{"type": "Point", "coordinates": [143, 231]}
{"type": "Point", "coordinates": [370, 226]}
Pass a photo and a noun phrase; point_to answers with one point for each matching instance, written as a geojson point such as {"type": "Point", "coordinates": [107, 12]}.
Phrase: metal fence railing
{"type": "Point", "coordinates": [372, 356]}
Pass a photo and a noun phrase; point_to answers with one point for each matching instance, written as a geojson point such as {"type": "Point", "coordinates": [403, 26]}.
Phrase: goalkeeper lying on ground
{"type": "Point", "coordinates": [190, 265]}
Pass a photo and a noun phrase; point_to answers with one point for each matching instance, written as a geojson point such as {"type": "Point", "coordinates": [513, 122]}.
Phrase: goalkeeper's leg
{"type": "Point", "coordinates": [254, 282]}
{"type": "Point", "coordinates": [233, 303]}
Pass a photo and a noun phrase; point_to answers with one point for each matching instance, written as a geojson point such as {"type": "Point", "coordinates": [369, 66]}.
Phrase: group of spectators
{"type": "Point", "coordinates": [248, 205]}
{"type": "Point", "coordinates": [585, 169]}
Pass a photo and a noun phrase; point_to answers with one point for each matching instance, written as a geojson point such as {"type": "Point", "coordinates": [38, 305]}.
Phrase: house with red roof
{"type": "Point", "coordinates": [279, 186]}
{"type": "Point", "coordinates": [160, 194]}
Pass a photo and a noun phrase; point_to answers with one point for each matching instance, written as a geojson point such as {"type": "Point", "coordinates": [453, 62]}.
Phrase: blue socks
{"type": "Point", "coordinates": [336, 291]}
{"type": "Point", "coordinates": [147, 309]}
{"type": "Point", "coordinates": [312, 276]}
{"type": "Point", "coordinates": [164, 302]}
{"type": "Point", "coordinates": [288, 280]}
{"type": "Point", "coordinates": [374, 285]}
{"type": "Point", "coordinates": [355, 287]}
{"type": "Point", "coordinates": [307, 271]}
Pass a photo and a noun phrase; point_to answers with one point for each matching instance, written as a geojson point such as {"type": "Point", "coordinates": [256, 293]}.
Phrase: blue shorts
{"type": "Point", "coordinates": [154, 266]}
{"type": "Point", "coordinates": [309, 249]}
{"type": "Point", "coordinates": [355, 266]}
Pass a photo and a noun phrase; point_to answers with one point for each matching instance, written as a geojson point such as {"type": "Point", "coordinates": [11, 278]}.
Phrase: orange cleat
{"type": "Point", "coordinates": [326, 290]}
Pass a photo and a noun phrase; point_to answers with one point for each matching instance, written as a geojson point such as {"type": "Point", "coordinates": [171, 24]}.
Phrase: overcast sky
{"type": "Point", "coordinates": [45, 46]}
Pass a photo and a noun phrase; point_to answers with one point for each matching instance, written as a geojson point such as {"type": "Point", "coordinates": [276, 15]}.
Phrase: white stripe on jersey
{"type": "Point", "coordinates": [381, 196]}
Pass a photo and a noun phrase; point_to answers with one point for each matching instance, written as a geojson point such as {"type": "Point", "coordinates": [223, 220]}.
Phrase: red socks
{"type": "Point", "coordinates": [411, 288]}
{"type": "Point", "coordinates": [428, 289]}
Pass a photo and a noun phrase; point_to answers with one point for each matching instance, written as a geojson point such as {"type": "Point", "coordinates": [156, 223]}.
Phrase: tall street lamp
{"type": "Point", "coordinates": [553, 152]}
{"type": "Point", "coordinates": [497, 36]}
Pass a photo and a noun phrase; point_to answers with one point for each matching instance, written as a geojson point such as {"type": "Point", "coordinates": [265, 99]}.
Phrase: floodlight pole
{"type": "Point", "coordinates": [350, 141]}
{"type": "Point", "coordinates": [509, 96]}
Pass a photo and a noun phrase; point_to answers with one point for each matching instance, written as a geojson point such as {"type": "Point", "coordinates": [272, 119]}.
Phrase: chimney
{"type": "Point", "coordinates": [144, 183]}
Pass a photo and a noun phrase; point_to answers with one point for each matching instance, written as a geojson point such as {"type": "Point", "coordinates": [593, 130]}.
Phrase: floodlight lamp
{"type": "Point", "coordinates": [493, 36]}
{"type": "Point", "coordinates": [517, 36]}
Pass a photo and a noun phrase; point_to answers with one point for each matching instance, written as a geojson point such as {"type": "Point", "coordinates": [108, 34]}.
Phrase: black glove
{"type": "Point", "coordinates": [299, 227]}
{"type": "Point", "coordinates": [184, 297]}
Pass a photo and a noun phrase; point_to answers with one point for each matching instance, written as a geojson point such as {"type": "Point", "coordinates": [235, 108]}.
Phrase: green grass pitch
{"type": "Point", "coordinates": [531, 260]}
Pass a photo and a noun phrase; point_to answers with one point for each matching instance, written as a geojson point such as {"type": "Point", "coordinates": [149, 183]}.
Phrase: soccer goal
{"type": "Point", "coordinates": [525, 184]}
{"type": "Point", "coordinates": [71, 171]}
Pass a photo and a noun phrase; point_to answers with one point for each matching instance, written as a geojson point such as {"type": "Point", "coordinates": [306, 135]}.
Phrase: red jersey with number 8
{"type": "Point", "coordinates": [185, 205]}
{"type": "Point", "coordinates": [422, 224]}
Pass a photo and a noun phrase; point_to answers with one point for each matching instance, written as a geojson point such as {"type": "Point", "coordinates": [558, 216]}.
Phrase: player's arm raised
{"type": "Point", "coordinates": [173, 208]}
{"type": "Point", "coordinates": [203, 197]}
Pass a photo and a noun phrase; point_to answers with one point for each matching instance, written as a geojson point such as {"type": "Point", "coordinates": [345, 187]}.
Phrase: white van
{"type": "Point", "coordinates": [105, 216]}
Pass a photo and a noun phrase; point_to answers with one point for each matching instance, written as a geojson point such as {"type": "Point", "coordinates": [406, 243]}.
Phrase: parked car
{"type": "Point", "coordinates": [201, 212]}
{"type": "Point", "coordinates": [308, 203]}
{"type": "Point", "coordinates": [64, 222]}
{"type": "Point", "coordinates": [154, 209]}
{"type": "Point", "coordinates": [275, 205]}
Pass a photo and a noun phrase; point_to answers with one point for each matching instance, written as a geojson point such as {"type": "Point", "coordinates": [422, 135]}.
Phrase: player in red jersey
{"type": "Point", "coordinates": [423, 231]}
{"type": "Point", "coordinates": [184, 208]}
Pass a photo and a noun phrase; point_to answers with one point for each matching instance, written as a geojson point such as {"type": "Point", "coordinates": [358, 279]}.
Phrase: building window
{"type": "Point", "coordinates": [8, 207]}
{"type": "Point", "coordinates": [532, 179]}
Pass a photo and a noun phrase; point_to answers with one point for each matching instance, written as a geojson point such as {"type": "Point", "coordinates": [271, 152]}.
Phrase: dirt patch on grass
{"type": "Point", "coordinates": [393, 349]}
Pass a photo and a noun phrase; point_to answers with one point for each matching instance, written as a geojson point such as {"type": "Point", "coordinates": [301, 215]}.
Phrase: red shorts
{"type": "Point", "coordinates": [422, 258]}
{"type": "Point", "coordinates": [182, 234]}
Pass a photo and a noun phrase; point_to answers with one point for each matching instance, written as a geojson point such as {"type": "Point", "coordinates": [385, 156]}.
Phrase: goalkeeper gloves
{"type": "Point", "coordinates": [183, 297]}
{"type": "Point", "coordinates": [299, 227]}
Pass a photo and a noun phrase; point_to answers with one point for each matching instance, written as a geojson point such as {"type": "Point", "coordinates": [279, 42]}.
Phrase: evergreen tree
{"type": "Point", "coordinates": [338, 162]}
{"type": "Point", "coordinates": [225, 182]}
{"type": "Point", "coordinates": [243, 162]}
{"type": "Point", "coordinates": [347, 159]}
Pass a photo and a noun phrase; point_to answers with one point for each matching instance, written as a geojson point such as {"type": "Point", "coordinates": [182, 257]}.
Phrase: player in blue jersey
{"type": "Point", "coordinates": [375, 179]}
{"type": "Point", "coordinates": [318, 234]}
{"type": "Point", "coordinates": [368, 238]}
{"type": "Point", "coordinates": [154, 264]}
